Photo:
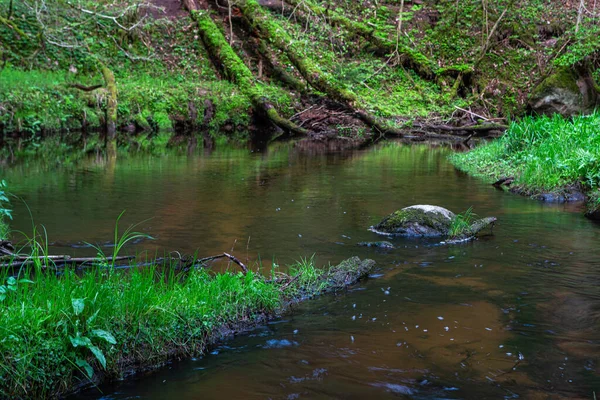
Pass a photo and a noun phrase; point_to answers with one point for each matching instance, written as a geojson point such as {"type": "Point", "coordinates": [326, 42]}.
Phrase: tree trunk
{"type": "Point", "coordinates": [236, 70]}
{"type": "Point", "coordinates": [413, 59]}
{"type": "Point", "coordinates": [111, 104]}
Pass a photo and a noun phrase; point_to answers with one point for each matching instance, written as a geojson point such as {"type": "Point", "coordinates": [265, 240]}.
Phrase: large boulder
{"type": "Point", "coordinates": [567, 92]}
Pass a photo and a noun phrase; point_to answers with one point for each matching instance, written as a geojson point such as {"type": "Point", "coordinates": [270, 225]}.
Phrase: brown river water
{"type": "Point", "coordinates": [511, 315]}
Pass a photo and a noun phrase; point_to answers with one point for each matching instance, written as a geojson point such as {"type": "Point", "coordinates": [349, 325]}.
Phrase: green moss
{"type": "Point", "coordinates": [163, 122]}
{"type": "Point", "coordinates": [562, 78]}
{"type": "Point", "coordinates": [91, 118]}
{"type": "Point", "coordinates": [142, 122]}
{"type": "Point", "coordinates": [398, 220]}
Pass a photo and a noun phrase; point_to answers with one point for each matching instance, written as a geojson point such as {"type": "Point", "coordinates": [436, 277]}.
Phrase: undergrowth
{"type": "Point", "coordinates": [543, 154]}
{"type": "Point", "coordinates": [63, 327]}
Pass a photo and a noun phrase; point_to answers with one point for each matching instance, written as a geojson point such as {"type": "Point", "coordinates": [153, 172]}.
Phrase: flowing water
{"type": "Point", "coordinates": [512, 315]}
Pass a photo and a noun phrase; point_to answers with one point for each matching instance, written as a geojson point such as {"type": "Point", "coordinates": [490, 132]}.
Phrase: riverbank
{"type": "Point", "coordinates": [444, 62]}
{"type": "Point", "coordinates": [63, 332]}
{"type": "Point", "coordinates": [548, 158]}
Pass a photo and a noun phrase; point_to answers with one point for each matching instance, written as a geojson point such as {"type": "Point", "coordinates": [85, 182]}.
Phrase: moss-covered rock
{"type": "Point", "coordinates": [419, 220]}
{"type": "Point", "coordinates": [432, 221]}
{"type": "Point", "coordinates": [566, 92]}
{"type": "Point", "coordinates": [348, 272]}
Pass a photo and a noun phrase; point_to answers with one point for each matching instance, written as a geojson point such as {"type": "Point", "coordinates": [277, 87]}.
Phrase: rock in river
{"type": "Point", "coordinates": [428, 220]}
{"type": "Point", "coordinates": [381, 245]}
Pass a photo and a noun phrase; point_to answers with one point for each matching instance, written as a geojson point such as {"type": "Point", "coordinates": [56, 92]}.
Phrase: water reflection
{"type": "Point", "coordinates": [515, 314]}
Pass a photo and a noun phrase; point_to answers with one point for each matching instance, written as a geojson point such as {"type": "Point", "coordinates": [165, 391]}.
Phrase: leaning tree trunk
{"type": "Point", "coordinates": [111, 103]}
{"type": "Point", "coordinates": [413, 59]}
{"type": "Point", "coordinates": [235, 69]}
{"type": "Point", "coordinates": [273, 33]}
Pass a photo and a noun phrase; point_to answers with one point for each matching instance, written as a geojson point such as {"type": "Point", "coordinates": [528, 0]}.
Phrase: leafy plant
{"type": "Point", "coordinates": [81, 338]}
{"type": "Point", "coordinates": [11, 286]}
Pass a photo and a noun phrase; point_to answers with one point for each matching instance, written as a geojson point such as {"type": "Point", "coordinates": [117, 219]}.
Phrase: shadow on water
{"type": "Point", "coordinates": [511, 315]}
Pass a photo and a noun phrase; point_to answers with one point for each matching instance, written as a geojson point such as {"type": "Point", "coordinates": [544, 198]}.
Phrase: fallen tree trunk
{"type": "Point", "coordinates": [235, 69]}
{"type": "Point", "coordinates": [466, 128]}
{"type": "Point", "coordinates": [412, 58]}
{"type": "Point", "coordinates": [271, 32]}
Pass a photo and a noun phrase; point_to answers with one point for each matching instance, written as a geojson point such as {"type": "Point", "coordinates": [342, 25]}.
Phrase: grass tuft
{"type": "Point", "coordinates": [544, 154]}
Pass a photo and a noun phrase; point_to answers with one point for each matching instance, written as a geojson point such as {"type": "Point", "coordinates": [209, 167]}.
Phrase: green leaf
{"type": "Point", "coordinates": [86, 366]}
{"type": "Point", "coordinates": [78, 305]}
{"type": "Point", "coordinates": [101, 333]}
{"type": "Point", "coordinates": [81, 341]}
{"type": "Point", "coordinates": [91, 319]}
{"type": "Point", "coordinates": [99, 355]}
{"type": "Point", "coordinates": [2, 297]}
{"type": "Point", "coordinates": [25, 281]}
{"type": "Point", "coordinates": [2, 289]}
{"type": "Point", "coordinates": [11, 281]}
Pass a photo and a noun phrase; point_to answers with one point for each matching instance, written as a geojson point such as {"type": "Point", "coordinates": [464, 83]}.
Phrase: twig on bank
{"type": "Point", "coordinates": [472, 113]}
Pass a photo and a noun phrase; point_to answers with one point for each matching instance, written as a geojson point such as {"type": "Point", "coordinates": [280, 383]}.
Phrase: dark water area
{"type": "Point", "coordinates": [512, 315]}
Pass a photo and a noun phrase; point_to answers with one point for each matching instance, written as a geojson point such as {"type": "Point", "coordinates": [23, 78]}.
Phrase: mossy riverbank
{"type": "Point", "coordinates": [67, 331]}
{"type": "Point", "coordinates": [423, 62]}
{"type": "Point", "coordinates": [549, 158]}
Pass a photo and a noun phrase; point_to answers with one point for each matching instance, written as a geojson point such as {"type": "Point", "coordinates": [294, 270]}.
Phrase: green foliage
{"type": "Point", "coordinates": [62, 328]}
{"type": "Point", "coordinates": [585, 45]}
{"type": "Point", "coordinates": [59, 329]}
{"type": "Point", "coordinates": [461, 224]}
{"type": "Point", "coordinates": [542, 153]}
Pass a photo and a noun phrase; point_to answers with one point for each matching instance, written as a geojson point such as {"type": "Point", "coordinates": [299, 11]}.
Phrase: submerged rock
{"type": "Point", "coordinates": [428, 220]}
{"type": "Point", "coordinates": [382, 244]}
{"type": "Point", "coordinates": [348, 272]}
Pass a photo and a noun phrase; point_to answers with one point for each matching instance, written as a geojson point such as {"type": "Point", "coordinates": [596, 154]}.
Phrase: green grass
{"type": "Point", "coordinates": [544, 154]}
{"type": "Point", "coordinates": [56, 330]}
{"type": "Point", "coordinates": [60, 329]}
{"type": "Point", "coordinates": [461, 224]}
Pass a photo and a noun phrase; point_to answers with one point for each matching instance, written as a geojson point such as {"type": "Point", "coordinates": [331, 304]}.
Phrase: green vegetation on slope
{"type": "Point", "coordinates": [543, 154]}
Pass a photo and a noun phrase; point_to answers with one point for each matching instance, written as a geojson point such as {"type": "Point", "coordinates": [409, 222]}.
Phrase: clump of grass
{"type": "Point", "coordinates": [543, 154]}
{"type": "Point", "coordinates": [461, 224]}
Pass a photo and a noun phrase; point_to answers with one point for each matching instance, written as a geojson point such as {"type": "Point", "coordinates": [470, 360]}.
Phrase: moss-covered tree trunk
{"type": "Point", "coordinates": [235, 69]}
{"type": "Point", "coordinates": [413, 59]}
{"type": "Point", "coordinates": [111, 103]}
{"type": "Point", "coordinates": [273, 33]}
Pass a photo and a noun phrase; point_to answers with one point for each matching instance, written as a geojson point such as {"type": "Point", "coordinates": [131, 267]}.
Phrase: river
{"type": "Point", "coordinates": [511, 315]}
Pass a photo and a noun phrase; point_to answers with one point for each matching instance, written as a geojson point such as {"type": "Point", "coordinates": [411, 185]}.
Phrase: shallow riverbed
{"type": "Point", "coordinates": [515, 314]}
